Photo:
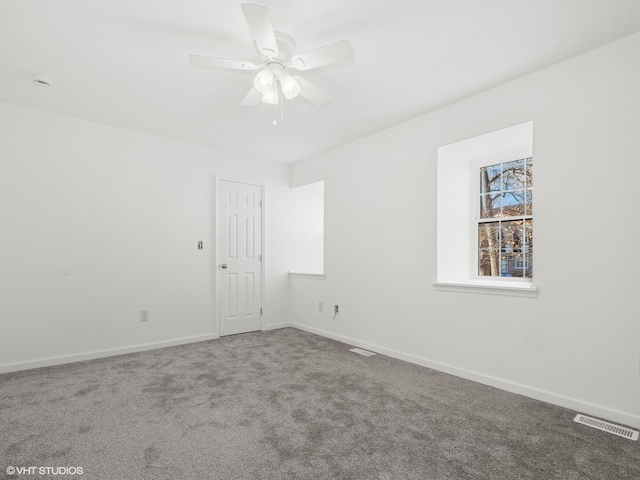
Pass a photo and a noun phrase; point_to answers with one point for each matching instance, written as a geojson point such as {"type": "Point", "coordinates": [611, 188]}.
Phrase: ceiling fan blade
{"type": "Point", "coordinates": [261, 28]}
{"type": "Point", "coordinates": [320, 57]}
{"type": "Point", "coordinates": [253, 99]}
{"type": "Point", "coordinates": [312, 93]}
{"type": "Point", "coordinates": [207, 62]}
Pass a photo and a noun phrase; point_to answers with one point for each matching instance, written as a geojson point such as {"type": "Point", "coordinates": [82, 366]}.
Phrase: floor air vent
{"type": "Point", "coordinates": [362, 352]}
{"type": "Point", "coordinates": [607, 427]}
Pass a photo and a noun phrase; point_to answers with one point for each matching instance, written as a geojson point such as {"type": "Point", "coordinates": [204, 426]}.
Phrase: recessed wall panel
{"type": "Point", "coordinates": [232, 289]}
{"type": "Point", "coordinates": [250, 231]}
{"type": "Point", "coordinates": [233, 198]}
{"type": "Point", "coordinates": [232, 236]}
{"type": "Point", "coordinates": [249, 282]}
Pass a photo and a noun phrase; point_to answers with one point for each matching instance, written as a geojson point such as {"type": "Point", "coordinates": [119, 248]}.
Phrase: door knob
{"type": "Point", "coordinates": [224, 265]}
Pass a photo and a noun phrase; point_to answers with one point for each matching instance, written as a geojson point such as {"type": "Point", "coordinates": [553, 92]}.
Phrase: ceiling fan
{"type": "Point", "coordinates": [276, 79]}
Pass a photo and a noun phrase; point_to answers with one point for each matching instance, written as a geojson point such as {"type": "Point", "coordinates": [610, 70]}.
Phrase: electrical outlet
{"type": "Point", "coordinates": [144, 315]}
{"type": "Point", "coordinates": [321, 306]}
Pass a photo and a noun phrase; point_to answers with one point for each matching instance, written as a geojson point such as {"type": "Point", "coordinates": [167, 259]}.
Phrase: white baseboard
{"type": "Point", "coordinates": [276, 326]}
{"type": "Point", "coordinates": [527, 391]}
{"type": "Point", "coordinates": [47, 362]}
{"type": "Point", "coordinates": [543, 395]}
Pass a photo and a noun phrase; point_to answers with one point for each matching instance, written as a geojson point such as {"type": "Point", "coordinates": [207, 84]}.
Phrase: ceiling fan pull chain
{"type": "Point", "coordinates": [275, 103]}
{"type": "Point", "coordinates": [281, 103]}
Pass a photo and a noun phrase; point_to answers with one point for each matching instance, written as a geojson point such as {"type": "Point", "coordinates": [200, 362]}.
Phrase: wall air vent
{"type": "Point", "coordinates": [607, 427]}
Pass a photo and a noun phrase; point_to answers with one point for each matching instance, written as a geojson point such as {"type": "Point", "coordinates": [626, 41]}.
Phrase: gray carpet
{"type": "Point", "coordinates": [288, 405]}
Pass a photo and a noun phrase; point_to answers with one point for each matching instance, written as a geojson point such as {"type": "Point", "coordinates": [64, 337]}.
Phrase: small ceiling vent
{"type": "Point", "coordinates": [42, 81]}
{"type": "Point", "coordinates": [607, 427]}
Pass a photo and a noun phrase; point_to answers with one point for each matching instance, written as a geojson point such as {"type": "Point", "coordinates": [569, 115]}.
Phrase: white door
{"type": "Point", "coordinates": [240, 258]}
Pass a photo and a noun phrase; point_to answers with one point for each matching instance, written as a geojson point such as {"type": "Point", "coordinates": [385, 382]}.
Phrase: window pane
{"type": "Point", "coordinates": [512, 237]}
{"type": "Point", "coordinates": [490, 205]}
{"type": "Point", "coordinates": [528, 266]}
{"type": "Point", "coordinates": [511, 249]}
{"type": "Point", "coordinates": [489, 235]}
{"type": "Point", "coordinates": [490, 178]}
{"type": "Point", "coordinates": [513, 175]}
{"type": "Point", "coordinates": [513, 203]}
{"type": "Point", "coordinates": [505, 248]}
{"type": "Point", "coordinates": [515, 266]}
{"type": "Point", "coordinates": [528, 236]}
{"type": "Point", "coordinates": [488, 249]}
{"type": "Point", "coordinates": [488, 263]}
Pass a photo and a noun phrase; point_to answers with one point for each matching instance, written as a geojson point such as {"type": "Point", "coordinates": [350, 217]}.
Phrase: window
{"type": "Point", "coordinates": [505, 219]}
{"type": "Point", "coordinates": [485, 213]}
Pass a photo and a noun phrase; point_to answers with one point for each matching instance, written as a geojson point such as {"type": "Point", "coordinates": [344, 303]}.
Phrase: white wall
{"type": "Point", "coordinates": [578, 343]}
{"type": "Point", "coordinates": [125, 210]}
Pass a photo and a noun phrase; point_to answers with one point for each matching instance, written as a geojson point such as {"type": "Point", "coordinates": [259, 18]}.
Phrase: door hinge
{"type": "Point", "coordinates": [261, 311]}
{"type": "Point", "coordinates": [259, 258]}
{"type": "Point", "coordinates": [260, 203]}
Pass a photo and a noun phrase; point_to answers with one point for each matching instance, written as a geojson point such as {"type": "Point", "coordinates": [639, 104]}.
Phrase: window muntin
{"type": "Point", "coordinates": [505, 219]}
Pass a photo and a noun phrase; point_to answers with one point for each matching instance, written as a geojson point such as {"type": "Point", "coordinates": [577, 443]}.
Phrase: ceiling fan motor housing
{"type": "Point", "coordinates": [276, 52]}
{"type": "Point", "coordinates": [275, 69]}
{"type": "Point", "coordinates": [286, 48]}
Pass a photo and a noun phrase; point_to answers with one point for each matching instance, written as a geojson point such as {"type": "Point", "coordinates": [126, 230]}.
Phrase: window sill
{"type": "Point", "coordinates": [312, 276]}
{"type": "Point", "coordinates": [528, 290]}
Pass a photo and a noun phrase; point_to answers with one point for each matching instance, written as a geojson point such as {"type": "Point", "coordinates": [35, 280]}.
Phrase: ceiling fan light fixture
{"type": "Point", "coordinates": [290, 87]}
{"type": "Point", "coordinates": [270, 97]}
{"type": "Point", "coordinates": [276, 52]}
{"type": "Point", "coordinates": [264, 81]}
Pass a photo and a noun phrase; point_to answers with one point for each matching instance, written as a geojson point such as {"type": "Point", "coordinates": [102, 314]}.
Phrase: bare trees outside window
{"type": "Point", "coordinates": [505, 223]}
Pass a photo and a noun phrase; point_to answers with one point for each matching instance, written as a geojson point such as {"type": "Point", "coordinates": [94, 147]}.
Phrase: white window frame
{"type": "Point", "coordinates": [476, 220]}
{"type": "Point", "coordinates": [457, 207]}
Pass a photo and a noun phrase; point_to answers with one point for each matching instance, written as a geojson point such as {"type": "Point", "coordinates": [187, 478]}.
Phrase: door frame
{"type": "Point", "coordinates": [216, 260]}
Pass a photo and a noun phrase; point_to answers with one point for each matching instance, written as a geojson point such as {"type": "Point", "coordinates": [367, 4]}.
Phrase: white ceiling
{"type": "Point", "coordinates": [125, 62]}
